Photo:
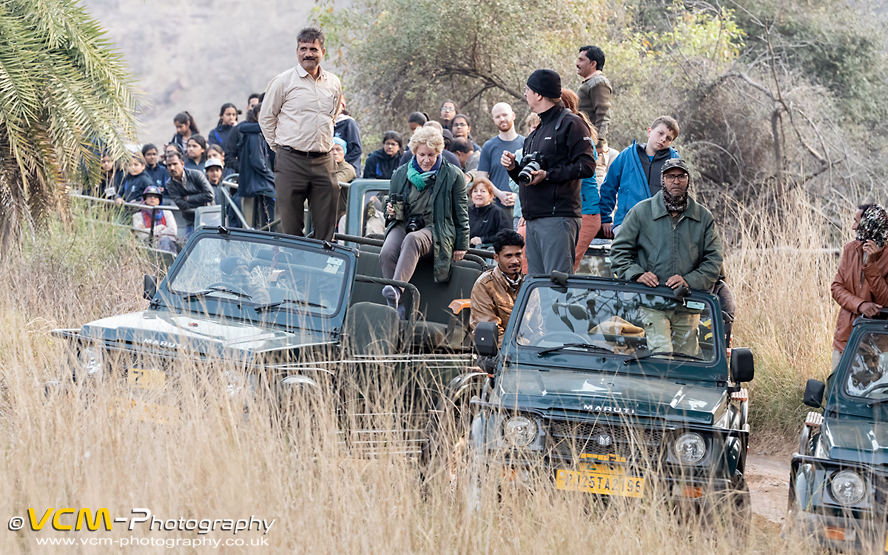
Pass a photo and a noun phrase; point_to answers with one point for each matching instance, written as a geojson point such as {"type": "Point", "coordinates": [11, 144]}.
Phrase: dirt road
{"type": "Point", "coordinates": [767, 474]}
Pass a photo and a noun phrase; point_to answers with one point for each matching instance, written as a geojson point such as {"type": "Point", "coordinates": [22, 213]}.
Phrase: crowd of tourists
{"type": "Point", "coordinates": [538, 198]}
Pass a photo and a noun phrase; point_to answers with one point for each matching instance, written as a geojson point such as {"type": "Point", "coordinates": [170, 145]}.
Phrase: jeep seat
{"type": "Point", "coordinates": [437, 327]}
{"type": "Point", "coordinates": [372, 329]}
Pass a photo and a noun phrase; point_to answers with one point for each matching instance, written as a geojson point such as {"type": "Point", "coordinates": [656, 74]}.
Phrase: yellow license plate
{"type": "Point", "coordinates": [886, 542]}
{"type": "Point", "coordinates": [603, 481]}
{"type": "Point", "coordinates": [144, 411]}
{"type": "Point", "coordinates": [145, 379]}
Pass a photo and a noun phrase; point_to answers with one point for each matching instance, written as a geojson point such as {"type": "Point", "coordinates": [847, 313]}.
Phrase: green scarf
{"type": "Point", "coordinates": [419, 178]}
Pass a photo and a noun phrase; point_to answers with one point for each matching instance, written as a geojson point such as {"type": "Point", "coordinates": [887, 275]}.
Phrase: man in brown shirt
{"type": "Point", "coordinates": [595, 98]}
{"type": "Point", "coordinates": [297, 120]}
{"type": "Point", "coordinates": [493, 295]}
{"type": "Point", "coordinates": [860, 285]}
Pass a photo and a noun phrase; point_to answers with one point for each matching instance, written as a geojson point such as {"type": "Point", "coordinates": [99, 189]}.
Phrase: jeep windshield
{"type": "Point", "coordinates": [636, 326]}
{"type": "Point", "coordinates": [866, 377]}
{"type": "Point", "coordinates": [265, 277]}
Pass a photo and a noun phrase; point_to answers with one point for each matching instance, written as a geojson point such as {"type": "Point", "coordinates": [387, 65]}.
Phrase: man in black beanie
{"type": "Point", "coordinates": [550, 201]}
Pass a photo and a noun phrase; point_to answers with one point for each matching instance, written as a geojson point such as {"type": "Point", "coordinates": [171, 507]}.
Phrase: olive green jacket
{"type": "Point", "coordinates": [450, 230]}
{"type": "Point", "coordinates": [650, 241]}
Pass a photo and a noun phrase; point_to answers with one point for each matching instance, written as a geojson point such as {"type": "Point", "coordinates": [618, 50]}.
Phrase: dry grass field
{"type": "Point", "coordinates": [73, 450]}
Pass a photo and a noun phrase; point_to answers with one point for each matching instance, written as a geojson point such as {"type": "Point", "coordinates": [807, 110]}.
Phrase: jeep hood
{"type": "Point", "coordinates": [197, 334]}
{"type": "Point", "coordinates": [856, 440]}
{"type": "Point", "coordinates": [650, 397]}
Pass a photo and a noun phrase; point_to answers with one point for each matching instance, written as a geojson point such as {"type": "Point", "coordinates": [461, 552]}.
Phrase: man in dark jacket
{"type": "Point", "coordinates": [256, 179]}
{"type": "Point", "coordinates": [669, 239]}
{"type": "Point", "coordinates": [550, 201]}
{"type": "Point", "coordinates": [189, 189]}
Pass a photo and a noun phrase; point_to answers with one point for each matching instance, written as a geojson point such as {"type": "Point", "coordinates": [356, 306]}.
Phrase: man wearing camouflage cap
{"type": "Point", "coordinates": [669, 239]}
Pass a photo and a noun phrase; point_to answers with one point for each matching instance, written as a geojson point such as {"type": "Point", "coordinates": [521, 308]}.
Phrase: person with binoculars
{"type": "Point", "coordinates": [427, 213]}
{"type": "Point", "coordinates": [557, 156]}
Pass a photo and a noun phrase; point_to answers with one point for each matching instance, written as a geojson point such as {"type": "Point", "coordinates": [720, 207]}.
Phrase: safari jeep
{"type": "Point", "coordinates": [584, 395]}
{"type": "Point", "coordinates": [292, 317]}
{"type": "Point", "coordinates": [838, 491]}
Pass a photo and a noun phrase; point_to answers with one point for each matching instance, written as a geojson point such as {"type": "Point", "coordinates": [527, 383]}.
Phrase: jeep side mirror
{"type": "Point", "coordinates": [742, 365]}
{"type": "Point", "coordinates": [150, 287]}
{"type": "Point", "coordinates": [814, 393]}
{"type": "Point", "coordinates": [486, 335]}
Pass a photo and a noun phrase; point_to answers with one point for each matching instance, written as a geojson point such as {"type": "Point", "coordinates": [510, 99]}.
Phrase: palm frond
{"type": "Point", "coordinates": [65, 96]}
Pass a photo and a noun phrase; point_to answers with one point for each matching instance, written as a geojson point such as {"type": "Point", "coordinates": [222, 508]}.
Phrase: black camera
{"type": "Point", "coordinates": [415, 223]}
{"type": "Point", "coordinates": [529, 163]}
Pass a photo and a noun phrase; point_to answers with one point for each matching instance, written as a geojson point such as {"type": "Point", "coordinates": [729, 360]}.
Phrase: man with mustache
{"type": "Point", "coordinates": [669, 239]}
{"type": "Point", "coordinates": [297, 120]}
{"type": "Point", "coordinates": [493, 295]}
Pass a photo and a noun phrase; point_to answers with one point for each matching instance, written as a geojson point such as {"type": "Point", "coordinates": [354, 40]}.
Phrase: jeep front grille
{"type": "Point", "coordinates": [573, 439]}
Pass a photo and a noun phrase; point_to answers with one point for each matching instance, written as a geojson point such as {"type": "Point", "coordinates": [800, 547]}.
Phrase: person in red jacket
{"type": "Point", "coordinates": [861, 283]}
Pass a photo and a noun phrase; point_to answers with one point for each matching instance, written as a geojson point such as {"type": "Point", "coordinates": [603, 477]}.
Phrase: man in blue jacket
{"type": "Point", "coordinates": [635, 173]}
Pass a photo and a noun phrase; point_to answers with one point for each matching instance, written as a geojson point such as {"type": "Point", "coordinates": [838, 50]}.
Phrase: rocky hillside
{"type": "Point", "coordinates": [197, 55]}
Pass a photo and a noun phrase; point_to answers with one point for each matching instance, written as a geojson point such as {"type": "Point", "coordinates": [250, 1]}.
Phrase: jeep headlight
{"type": "Point", "coordinates": [92, 363]}
{"type": "Point", "coordinates": [847, 487]}
{"type": "Point", "coordinates": [520, 431]}
{"type": "Point", "coordinates": [689, 448]}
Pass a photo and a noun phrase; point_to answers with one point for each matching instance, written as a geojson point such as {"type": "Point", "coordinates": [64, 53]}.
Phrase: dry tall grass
{"type": "Point", "coordinates": [70, 450]}
{"type": "Point", "coordinates": [780, 270]}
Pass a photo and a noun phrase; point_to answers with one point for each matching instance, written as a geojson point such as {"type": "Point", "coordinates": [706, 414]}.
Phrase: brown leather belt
{"type": "Point", "coordinates": [306, 154]}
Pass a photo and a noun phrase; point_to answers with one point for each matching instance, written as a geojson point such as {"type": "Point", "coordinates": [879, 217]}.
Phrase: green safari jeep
{"type": "Point", "coordinates": [289, 318]}
{"type": "Point", "coordinates": [838, 490]}
{"type": "Point", "coordinates": [587, 395]}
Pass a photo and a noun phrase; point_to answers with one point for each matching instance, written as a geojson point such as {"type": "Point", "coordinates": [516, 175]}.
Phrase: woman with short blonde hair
{"type": "Point", "coordinates": [427, 213]}
{"type": "Point", "coordinates": [428, 136]}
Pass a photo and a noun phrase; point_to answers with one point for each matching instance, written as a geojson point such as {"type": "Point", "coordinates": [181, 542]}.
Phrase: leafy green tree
{"type": "Point", "coordinates": [65, 96]}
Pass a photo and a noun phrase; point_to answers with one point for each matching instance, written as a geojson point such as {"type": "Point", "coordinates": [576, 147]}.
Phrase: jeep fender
{"type": "Point", "coordinates": [296, 385]}
{"type": "Point", "coordinates": [458, 387]}
{"type": "Point", "coordinates": [803, 481]}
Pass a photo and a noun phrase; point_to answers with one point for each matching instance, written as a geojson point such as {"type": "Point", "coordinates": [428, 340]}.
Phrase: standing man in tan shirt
{"type": "Point", "coordinates": [297, 117]}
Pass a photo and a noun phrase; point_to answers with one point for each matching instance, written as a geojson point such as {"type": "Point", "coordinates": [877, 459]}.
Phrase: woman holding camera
{"type": "Point", "coordinates": [427, 213]}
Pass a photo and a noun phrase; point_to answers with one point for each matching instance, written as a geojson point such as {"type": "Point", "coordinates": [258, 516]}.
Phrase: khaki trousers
{"type": "Point", "coordinates": [297, 178]}
{"type": "Point", "coordinates": [671, 331]}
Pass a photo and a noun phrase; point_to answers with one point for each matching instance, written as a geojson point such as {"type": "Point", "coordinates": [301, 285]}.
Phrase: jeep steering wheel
{"type": "Point", "coordinates": [236, 290]}
{"type": "Point", "coordinates": [569, 337]}
{"type": "Point", "coordinates": [878, 387]}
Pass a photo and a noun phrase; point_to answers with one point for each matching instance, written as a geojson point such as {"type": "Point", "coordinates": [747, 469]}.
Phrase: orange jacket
{"type": "Point", "coordinates": [853, 287]}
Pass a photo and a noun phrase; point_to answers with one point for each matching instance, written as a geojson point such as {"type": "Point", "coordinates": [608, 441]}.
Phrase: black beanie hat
{"type": "Point", "coordinates": [545, 82]}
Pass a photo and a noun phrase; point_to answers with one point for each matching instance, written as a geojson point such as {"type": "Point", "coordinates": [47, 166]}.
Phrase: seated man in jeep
{"type": "Point", "coordinates": [236, 273]}
{"type": "Point", "coordinates": [669, 239]}
{"type": "Point", "coordinates": [493, 294]}
{"type": "Point", "coordinates": [867, 367]}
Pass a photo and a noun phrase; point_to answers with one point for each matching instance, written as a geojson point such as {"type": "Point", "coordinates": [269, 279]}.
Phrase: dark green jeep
{"type": "Point", "coordinates": [838, 490]}
{"type": "Point", "coordinates": [588, 394]}
{"type": "Point", "coordinates": [287, 315]}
